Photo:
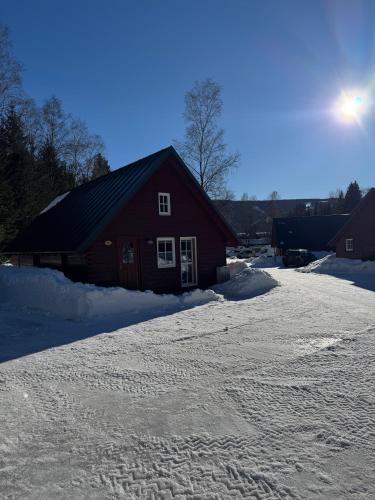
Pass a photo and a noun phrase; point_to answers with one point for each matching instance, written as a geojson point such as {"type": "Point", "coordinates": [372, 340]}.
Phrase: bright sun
{"type": "Point", "coordinates": [350, 107]}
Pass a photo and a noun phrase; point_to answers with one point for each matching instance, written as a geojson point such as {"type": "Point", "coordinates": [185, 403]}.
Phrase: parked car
{"type": "Point", "coordinates": [245, 253]}
{"type": "Point", "coordinates": [298, 258]}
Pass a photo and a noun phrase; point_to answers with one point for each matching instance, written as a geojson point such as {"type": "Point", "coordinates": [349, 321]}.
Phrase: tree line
{"type": "Point", "coordinates": [44, 151]}
{"type": "Point", "coordinates": [337, 203]}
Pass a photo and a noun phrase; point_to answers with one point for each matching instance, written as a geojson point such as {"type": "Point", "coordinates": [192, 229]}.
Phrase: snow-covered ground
{"type": "Point", "coordinates": [263, 262]}
{"type": "Point", "coordinates": [362, 273]}
{"type": "Point", "coordinates": [270, 397]}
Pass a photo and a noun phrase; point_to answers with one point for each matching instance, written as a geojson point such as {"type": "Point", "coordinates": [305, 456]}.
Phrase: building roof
{"type": "Point", "coordinates": [312, 232]}
{"type": "Point", "coordinates": [362, 205]}
{"type": "Point", "coordinates": [75, 221]}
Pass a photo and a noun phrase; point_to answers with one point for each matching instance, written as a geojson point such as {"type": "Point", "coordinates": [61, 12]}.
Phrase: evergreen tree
{"type": "Point", "coordinates": [340, 202]}
{"type": "Point", "coordinates": [16, 167]}
{"type": "Point", "coordinates": [52, 177]}
{"type": "Point", "coordinates": [100, 166]}
{"type": "Point", "coordinates": [43, 151]}
{"type": "Point", "coordinates": [352, 197]}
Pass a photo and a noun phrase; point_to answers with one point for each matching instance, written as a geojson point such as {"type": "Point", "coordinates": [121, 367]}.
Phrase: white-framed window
{"type": "Point", "coordinates": [164, 203]}
{"type": "Point", "coordinates": [349, 244]}
{"type": "Point", "coordinates": [166, 254]}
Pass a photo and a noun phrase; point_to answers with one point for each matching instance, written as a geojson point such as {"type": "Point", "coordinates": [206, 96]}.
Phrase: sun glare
{"type": "Point", "coordinates": [350, 107]}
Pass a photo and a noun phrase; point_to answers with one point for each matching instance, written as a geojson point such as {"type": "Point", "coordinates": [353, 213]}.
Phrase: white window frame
{"type": "Point", "coordinates": [168, 195]}
{"type": "Point", "coordinates": [349, 246]}
{"type": "Point", "coordinates": [169, 239]}
{"type": "Point", "coordinates": [195, 283]}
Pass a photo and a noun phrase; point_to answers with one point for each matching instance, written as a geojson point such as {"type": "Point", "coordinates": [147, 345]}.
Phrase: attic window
{"type": "Point", "coordinates": [164, 204]}
{"type": "Point", "coordinates": [349, 244]}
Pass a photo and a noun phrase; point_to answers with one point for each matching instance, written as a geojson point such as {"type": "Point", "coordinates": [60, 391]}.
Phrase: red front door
{"type": "Point", "coordinates": [128, 256]}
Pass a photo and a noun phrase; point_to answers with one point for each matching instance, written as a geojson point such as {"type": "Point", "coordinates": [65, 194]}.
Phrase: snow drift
{"type": "Point", "coordinates": [246, 284]}
{"type": "Point", "coordinates": [263, 262]}
{"type": "Point", "coordinates": [236, 266]}
{"type": "Point", "coordinates": [339, 267]}
{"type": "Point", "coordinates": [52, 292]}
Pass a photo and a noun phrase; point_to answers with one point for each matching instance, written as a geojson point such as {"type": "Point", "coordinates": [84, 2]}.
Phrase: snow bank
{"type": "Point", "coordinates": [342, 267]}
{"type": "Point", "coordinates": [263, 262]}
{"type": "Point", "coordinates": [236, 266]}
{"type": "Point", "coordinates": [52, 292]}
{"type": "Point", "coordinates": [321, 253]}
{"type": "Point", "coordinates": [246, 284]}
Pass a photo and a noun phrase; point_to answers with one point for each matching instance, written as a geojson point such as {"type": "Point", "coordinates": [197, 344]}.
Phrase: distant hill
{"type": "Point", "coordinates": [256, 216]}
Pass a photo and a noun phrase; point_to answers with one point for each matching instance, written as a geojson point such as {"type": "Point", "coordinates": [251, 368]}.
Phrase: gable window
{"type": "Point", "coordinates": [349, 244]}
{"type": "Point", "coordinates": [166, 252]}
{"type": "Point", "coordinates": [164, 204]}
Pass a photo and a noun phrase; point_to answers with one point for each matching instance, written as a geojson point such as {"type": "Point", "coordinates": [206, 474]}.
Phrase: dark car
{"type": "Point", "coordinates": [298, 258]}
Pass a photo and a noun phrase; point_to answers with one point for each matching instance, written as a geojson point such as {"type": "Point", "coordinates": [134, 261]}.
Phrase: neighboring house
{"type": "Point", "coordinates": [356, 239]}
{"type": "Point", "coordinates": [147, 225]}
{"type": "Point", "coordinates": [312, 232]}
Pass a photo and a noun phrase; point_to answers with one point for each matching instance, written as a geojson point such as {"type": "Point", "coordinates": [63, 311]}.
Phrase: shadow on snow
{"type": "Point", "coordinates": [25, 331]}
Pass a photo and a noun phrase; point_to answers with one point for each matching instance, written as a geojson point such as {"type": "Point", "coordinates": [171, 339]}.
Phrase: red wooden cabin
{"type": "Point", "coordinates": [356, 239]}
{"type": "Point", "coordinates": [147, 225]}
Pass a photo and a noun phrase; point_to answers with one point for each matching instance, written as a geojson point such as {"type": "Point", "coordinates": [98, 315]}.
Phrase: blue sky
{"type": "Point", "coordinates": [124, 67]}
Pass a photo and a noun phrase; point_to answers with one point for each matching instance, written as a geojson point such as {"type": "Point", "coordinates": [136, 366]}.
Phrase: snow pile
{"type": "Point", "coordinates": [319, 254]}
{"type": "Point", "coordinates": [246, 284]}
{"type": "Point", "coordinates": [52, 292]}
{"type": "Point", "coordinates": [236, 266]}
{"type": "Point", "coordinates": [341, 267]}
{"type": "Point", "coordinates": [263, 262]}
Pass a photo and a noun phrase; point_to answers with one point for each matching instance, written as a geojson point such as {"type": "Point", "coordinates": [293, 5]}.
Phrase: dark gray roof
{"type": "Point", "coordinates": [74, 223]}
{"type": "Point", "coordinates": [311, 232]}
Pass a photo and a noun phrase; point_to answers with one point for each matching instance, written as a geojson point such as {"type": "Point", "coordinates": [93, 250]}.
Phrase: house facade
{"type": "Point", "coordinates": [145, 226]}
{"type": "Point", "coordinates": [356, 239]}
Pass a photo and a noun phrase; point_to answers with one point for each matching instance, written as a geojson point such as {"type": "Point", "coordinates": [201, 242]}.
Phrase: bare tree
{"type": "Point", "coordinates": [273, 196]}
{"type": "Point", "coordinates": [227, 194]}
{"type": "Point", "coordinates": [245, 197]}
{"type": "Point", "coordinates": [203, 149]}
{"type": "Point", "coordinates": [81, 149]}
{"type": "Point", "coordinates": [273, 206]}
{"type": "Point", "coordinates": [53, 126]}
{"type": "Point", "coordinates": [10, 72]}
{"type": "Point", "coordinates": [70, 138]}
